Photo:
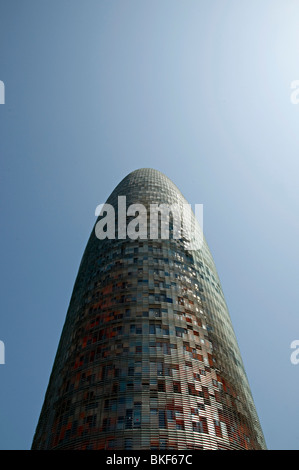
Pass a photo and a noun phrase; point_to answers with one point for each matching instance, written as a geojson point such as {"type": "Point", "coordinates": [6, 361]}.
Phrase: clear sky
{"type": "Point", "coordinates": [198, 90]}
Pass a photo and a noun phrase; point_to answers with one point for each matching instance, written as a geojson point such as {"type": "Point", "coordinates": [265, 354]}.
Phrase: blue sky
{"type": "Point", "coordinates": [198, 90]}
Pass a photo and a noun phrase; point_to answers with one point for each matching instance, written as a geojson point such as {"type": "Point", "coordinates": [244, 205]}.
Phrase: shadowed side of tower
{"type": "Point", "coordinates": [147, 358]}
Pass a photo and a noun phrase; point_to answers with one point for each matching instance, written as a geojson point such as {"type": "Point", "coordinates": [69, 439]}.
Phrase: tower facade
{"type": "Point", "coordinates": [147, 358]}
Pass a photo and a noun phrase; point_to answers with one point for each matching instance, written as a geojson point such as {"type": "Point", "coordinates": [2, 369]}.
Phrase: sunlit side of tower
{"type": "Point", "coordinates": [147, 358]}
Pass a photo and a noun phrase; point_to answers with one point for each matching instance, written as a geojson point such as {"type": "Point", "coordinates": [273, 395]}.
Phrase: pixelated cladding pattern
{"type": "Point", "coordinates": [148, 358]}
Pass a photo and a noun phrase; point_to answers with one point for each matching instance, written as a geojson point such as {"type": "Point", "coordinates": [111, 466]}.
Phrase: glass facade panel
{"type": "Point", "coordinates": [147, 357]}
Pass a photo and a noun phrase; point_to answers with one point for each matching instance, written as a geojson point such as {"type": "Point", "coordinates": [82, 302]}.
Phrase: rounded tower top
{"type": "Point", "coordinates": [147, 184]}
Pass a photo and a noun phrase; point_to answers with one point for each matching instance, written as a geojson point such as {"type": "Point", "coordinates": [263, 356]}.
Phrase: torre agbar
{"type": "Point", "coordinates": [148, 358]}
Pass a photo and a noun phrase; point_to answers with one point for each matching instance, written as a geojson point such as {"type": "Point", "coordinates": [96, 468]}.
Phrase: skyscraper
{"type": "Point", "coordinates": [147, 358]}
